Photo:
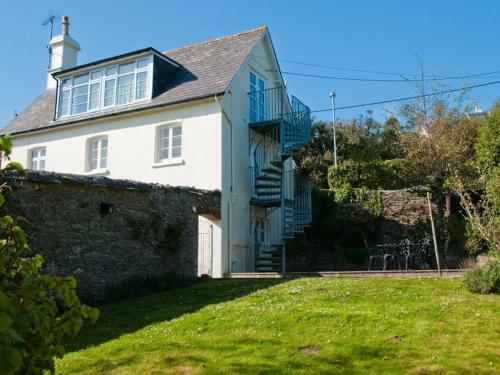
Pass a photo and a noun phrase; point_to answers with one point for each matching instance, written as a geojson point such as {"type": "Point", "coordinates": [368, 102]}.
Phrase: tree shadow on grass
{"type": "Point", "coordinates": [130, 315]}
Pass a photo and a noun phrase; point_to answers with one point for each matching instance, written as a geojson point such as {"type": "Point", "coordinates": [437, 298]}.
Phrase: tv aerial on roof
{"type": "Point", "coordinates": [46, 21]}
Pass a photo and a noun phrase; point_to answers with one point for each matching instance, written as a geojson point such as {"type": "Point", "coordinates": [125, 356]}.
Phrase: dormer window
{"type": "Point", "coordinates": [104, 88]}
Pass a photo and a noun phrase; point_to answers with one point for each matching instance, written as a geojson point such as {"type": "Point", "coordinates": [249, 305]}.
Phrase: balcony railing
{"type": "Point", "coordinates": [267, 105]}
{"type": "Point", "coordinates": [270, 108]}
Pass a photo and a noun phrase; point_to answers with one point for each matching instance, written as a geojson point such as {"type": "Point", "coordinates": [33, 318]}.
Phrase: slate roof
{"type": "Point", "coordinates": [207, 70]}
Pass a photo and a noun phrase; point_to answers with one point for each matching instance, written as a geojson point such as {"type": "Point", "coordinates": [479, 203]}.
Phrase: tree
{"type": "Point", "coordinates": [479, 189]}
{"type": "Point", "coordinates": [360, 140]}
{"type": "Point", "coordinates": [37, 311]}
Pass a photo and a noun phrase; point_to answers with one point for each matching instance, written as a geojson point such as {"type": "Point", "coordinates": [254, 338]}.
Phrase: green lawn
{"type": "Point", "coordinates": [297, 326]}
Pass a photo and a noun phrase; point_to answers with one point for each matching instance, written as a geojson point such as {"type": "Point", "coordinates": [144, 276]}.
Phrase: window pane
{"type": "Point", "coordinates": [80, 97]}
{"type": "Point", "coordinates": [125, 89]}
{"type": "Point", "coordinates": [176, 152]}
{"type": "Point", "coordinates": [79, 80]}
{"type": "Point", "coordinates": [164, 154]}
{"type": "Point", "coordinates": [176, 131]}
{"type": "Point", "coordinates": [95, 75]}
{"type": "Point", "coordinates": [111, 71]}
{"type": "Point", "coordinates": [164, 143]}
{"type": "Point", "coordinates": [66, 83]}
{"type": "Point", "coordinates": [140, 85]}
{"type": "Point", "coordinates": [94, 95]}
{"type": "Point", "coordinates": [253, 79]}
{"type": "Point", "coordinates": [41, 165]}
{"type": "Point", "coordinates": [126, 68]}
{"type": "Point", "coordinates": [93, 164]}
{"type": "Point", "coordinates": [142, 63]}
{"type": "Point", "coordinates": [109, 92]}
{"type": "Point", "coordinates": [104, 143]}
{"type": "Point", "coordinates": [176, 141]}
{"type": "Point", "coordinates": [261, 84]}
{"type": "Point", "coordinates": [65, 102]}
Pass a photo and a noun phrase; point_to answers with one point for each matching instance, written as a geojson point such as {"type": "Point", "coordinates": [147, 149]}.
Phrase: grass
{"type": "Point", "coordinates": [307, 326]}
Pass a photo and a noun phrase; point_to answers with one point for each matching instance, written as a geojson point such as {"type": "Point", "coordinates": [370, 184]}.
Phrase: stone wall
{"type": "Point", "coordinates": [106, 232]}
{"type": "Point", "coordinates": [402, 210]}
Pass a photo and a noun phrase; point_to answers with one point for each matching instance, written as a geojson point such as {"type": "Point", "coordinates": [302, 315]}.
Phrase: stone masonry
{"type": "Point", "coordinates": [401, 210]}
{"type": "Point", "coordinates": [106, 232]}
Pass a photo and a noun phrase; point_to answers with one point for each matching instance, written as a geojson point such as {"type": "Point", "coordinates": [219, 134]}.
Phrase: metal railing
{"type": "Point", "coordinates": [268, 104]}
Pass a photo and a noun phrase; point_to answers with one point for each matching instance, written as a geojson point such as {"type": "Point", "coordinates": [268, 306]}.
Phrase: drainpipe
{"type": "Point", "coordinates": [230, 205]}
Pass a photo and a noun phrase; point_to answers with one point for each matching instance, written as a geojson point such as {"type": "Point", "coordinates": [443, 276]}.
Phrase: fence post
{"type": "Point", "coordinates": [434, 235]}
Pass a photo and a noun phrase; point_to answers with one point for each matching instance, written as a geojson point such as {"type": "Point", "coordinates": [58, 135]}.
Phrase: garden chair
{"type": "Point", "coordinates": [393, 254]}
{"type": "Point", "coordinates": [422, 253]}
{"type": "Point", "coordinates": [375, 253]}
{"type": "Point", "coordinates": [378, 253]}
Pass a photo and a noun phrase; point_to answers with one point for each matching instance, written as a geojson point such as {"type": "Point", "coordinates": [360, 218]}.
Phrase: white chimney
{"type": "Point", "coordinates": [64, 51]}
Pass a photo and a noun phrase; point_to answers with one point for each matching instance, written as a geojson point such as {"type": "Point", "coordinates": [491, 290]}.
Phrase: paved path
{"type": "Point", "coordinates": [285, 275]}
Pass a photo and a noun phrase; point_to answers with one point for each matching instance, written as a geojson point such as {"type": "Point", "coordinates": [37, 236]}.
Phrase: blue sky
{"type": "Point", "coordinates": [452, 38]}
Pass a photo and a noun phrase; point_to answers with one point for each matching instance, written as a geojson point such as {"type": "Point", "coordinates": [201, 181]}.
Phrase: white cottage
{"type": "Point", "coordinates": [214, 115]}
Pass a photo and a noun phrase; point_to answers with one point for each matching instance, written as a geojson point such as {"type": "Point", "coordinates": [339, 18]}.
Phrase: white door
{"type": "Point", "coordinates": [205, 248]}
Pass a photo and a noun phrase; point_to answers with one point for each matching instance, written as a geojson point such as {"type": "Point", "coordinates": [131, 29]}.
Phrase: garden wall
{"type": "Point", "coordinates": [107, 232]}
{"type": "Point", "coordinates": [402, 210]}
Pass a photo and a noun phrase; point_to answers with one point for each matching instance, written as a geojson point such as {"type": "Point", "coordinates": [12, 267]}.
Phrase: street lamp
{"type": "Point", "coordinates": [332, 96]}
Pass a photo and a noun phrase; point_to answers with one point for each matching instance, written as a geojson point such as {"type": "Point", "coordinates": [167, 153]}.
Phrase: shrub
{"type": "Point", "coordinates": [37, 311]}
{"type": "Point", "coordinates": [484, 279]}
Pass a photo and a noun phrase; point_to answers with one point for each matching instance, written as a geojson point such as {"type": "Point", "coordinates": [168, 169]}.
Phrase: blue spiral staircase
{"type": "Point", "coordinates": [283, 128]}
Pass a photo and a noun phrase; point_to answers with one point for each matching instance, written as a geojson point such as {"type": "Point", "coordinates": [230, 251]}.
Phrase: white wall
{"type": "Point", "coordinates": [132, 146]}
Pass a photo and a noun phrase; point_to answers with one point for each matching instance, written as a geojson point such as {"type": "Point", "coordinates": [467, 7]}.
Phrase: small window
{"type": "Point", "coordinates": [98, 154]}
{"type": "Point", "coordinates": [37, 157]}
{"type": "Point", "coordinates": [169, 143]}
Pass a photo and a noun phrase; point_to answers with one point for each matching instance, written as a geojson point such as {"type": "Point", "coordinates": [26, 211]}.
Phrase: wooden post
{"type": "Point", "coordinates": [434, 235]}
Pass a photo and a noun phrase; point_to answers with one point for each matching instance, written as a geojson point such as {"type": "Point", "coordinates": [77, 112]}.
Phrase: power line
{"type": "Point", "coordinates": [409, 97]}
{"type": "Point", "coordinates": [375, 71]}
{"type": "Point", "coordinates": [338, 68]}
{"type": "Point", "coordinates": [481, 75]}
{"type": "Point", "coordinates": [345, 69]}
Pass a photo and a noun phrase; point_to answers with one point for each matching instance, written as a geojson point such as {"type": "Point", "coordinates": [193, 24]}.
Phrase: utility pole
{"type": "Point", "coordinates": [332, 96]}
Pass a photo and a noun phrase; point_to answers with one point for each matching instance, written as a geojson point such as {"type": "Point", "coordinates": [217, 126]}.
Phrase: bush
{"type": "Point", "coordinates": [484, 279]}
{"type": "Point", "coordinates": [372, 175]}
{"type": "Point", "coordinates": [37, 311]}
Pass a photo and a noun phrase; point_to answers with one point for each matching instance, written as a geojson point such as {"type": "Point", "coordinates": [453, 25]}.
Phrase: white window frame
{"type": "Point", "coordinates": [101, 80]}
{"type": "Point", "coordinates": [37, 159]}
{"type": "Point", "coordinates": [88, 158]}
{"type": "Point", "coordinates": [259, 97]}
{"type": "Point", "coordinates": [170, 160]}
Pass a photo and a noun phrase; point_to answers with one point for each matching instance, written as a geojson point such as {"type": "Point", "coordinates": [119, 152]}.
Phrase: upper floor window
{"type": "Point", "coordinates": [257, 98]}
{"type": "Point", "coordinates": [104, 88]}
{"type": "Point", "coordinates": [169, 143]}
{"type": "Point", "coordinates": [36, 158]}
{"type": "Point", "coordinates": [97, 154]}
